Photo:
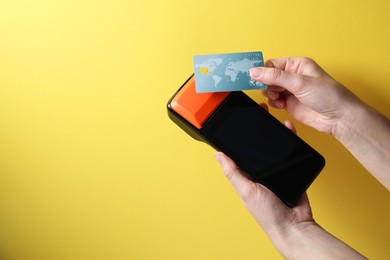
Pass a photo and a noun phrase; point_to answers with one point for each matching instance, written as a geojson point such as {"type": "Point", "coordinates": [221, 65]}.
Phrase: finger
{"type": "Point", "coordinates": [264, 106]}
{"type": "Point", "coordinates": [283, 63]}
{"type": "Point", "coordinates": [269, 63]}
{"type": "Point", "coordinates": [232, 173]}
{"type": "Point", "coordinates": [274, 95]}
{"type": "Point", "coordinates": [303, 206]}
{"type": "Point", "coordinates": [300, 65]}
{"type": "Point", "coordinates": [295, 83]}
{"type": "Point", "coordinates": [300, 112]}
{"type": "Point", "coordinates": [275, 88]}
{"type": "Point", "coordinates": [279, 103]}
{"type": "Point", "coordinates": [290, 126]}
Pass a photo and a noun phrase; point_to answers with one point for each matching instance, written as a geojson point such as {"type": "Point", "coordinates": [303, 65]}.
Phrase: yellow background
{"type": "Point", "coordinates": [92, 168]}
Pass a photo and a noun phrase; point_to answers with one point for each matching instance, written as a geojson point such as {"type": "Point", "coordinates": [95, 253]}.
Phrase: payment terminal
{"type": "Point", "coordinates": [263, 148]}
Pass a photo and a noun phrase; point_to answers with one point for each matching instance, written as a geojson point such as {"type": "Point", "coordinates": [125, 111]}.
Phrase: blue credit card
{"type": "Point", "coordinates": [226, 72]}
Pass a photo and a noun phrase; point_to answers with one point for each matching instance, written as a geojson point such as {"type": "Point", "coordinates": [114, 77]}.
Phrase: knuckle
{"type": "Point", "coordinates": [274, 74]}
{"type": "Point", "coordinates": [228, 173]}
{"type": "Point", "coordinates": [248, 192]}
{"type": "Point", "coordinates": [307, 60]}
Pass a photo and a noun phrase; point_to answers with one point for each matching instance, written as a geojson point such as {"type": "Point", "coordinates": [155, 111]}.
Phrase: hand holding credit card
{"type": "Point", "coordinates": [226, 72]}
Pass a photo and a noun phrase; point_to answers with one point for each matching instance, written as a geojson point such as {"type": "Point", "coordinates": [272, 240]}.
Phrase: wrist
{"type": "Point", "coordinates": [308, 240]}
{"type": "Point", "coordinates": [289, 242]}
{"type": "Point", "coordinates": [365, 133]}
{"type": "Point", "coordinates": [350, 121]}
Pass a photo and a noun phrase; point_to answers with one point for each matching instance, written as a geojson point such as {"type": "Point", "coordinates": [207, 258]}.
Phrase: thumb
{"type": "Point", "coordinates": [243, 186]}
{"type": "Point", "coordinates": [295, 83]}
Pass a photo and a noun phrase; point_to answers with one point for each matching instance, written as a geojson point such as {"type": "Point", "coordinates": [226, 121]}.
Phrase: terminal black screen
{"type": "Point", "coordinates": [262, 147]}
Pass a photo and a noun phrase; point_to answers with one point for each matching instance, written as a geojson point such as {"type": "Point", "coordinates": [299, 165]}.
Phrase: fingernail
{"type": "Point", "coordinates": [255, 72]}
{"type": "Point", "coordinates": [279, 104]}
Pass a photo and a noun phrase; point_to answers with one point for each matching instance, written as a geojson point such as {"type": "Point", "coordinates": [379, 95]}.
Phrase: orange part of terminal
{"type": "Point", "coordinates": [196, 107]}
